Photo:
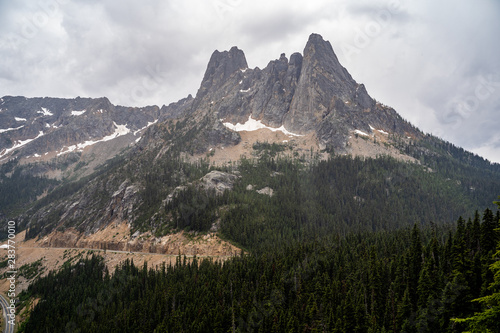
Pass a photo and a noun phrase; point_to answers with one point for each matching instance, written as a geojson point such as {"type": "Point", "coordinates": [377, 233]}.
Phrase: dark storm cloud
{"type": "Point", "coordinates": [438, 67]}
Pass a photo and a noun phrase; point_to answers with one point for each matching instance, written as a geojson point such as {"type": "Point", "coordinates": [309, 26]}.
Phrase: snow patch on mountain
{"type": "Point", "coordinates": [19, 144]}
{"type": "Point", "coordinates": [253, 125]}
{"type": "Point", "coordinates": [360, 133]}
{"type": "Point", "coordinates": [78, 113]}
{"type": "Point", "coordinates": [119, 131]}
{"type": "Point", "coordinates": [10, 129]}
{"type": "Point", "coordinates": [45, 112]}
{"type": "Point", "coordinates": [380, 131]}
{"type": "Point", "coordinates": [149, 124]}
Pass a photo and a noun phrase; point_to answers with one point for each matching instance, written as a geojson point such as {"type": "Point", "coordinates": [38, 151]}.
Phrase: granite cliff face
{"type": "Point", "coordinates": [310, 93]}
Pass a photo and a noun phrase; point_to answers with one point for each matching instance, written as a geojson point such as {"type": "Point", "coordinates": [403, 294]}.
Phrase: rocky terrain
{"type": "Point", "coordinates": [115, 244]}
{"type": "Point", "coordinates": [308, 104]}
{"type": "Point", "coordinates": [310, 93]}
{"type": "Point", "coordinates": [68, 131]}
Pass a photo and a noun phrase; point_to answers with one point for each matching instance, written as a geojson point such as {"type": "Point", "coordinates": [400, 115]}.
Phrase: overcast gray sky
{"type": "Point", "coordinates": [436, 62]}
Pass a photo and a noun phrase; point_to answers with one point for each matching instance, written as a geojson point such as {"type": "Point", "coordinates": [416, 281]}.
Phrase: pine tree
{"type": "Point", "coordinates": [415, 265]}
{"type": "Point", "coordinates": [488, 233]}
{"type": "Point", "coordinates": [488, 320]}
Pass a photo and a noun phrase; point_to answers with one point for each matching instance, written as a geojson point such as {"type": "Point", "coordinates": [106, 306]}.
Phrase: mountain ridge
{"type": "Point", "coordinates": [305, 109]}
{"type": "Point", "coordinates": [313, 93]}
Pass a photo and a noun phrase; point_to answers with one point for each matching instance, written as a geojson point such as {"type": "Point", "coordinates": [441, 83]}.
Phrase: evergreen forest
{"type": "Point", "coordinates": [342, 245]}
{"type": "Point", "coordinates": [416, 279]}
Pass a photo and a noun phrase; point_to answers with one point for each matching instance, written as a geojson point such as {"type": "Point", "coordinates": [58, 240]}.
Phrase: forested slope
{"type": "Point", "coordinates": [412, 280]}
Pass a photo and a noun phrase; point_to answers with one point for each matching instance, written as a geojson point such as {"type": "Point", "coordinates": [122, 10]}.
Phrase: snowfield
{"type": "Point", "coordinates": [10, 129]}
{"type": "Point", "coordinates": [19, 144]}
{"type": "Point", "coordinates": [119, 131]}
{"type": "Point", "coordinates": [78, 113]}
{"type": "Point", "coordinates": [45, 112]}
{"type": "Point", "coordinates": [361, 133]}
{"type": "Point", "coordinates": [254, 125]}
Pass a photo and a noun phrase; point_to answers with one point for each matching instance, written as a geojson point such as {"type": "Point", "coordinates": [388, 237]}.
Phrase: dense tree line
{"type": "Point", "coordinates": [17, 188]}
{"type": "Point", "coordinates": [339, 195]}
{"type": "Point", "coordinates": [415, 279]}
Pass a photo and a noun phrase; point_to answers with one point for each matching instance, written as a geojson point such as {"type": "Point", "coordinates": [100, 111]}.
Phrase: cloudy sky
{"type": "Point", "coordinates": [436, 62]}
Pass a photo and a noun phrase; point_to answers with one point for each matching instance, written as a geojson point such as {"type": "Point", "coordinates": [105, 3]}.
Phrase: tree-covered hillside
{"type": "Point", "coordinates": [417, 279]}
{"type": "Point", "coordinates": [312, 197]}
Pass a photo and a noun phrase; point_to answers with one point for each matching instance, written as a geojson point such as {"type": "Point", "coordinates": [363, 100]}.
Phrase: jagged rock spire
{"type": "Point", "coordinates": [220, 67]}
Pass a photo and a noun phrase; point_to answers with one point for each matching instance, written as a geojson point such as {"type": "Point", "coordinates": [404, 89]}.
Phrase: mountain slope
{"type": "Point", "coordinates": [307, 95]}
{"type": "Point", "coordinates": [44, 141]}
{"type": "Point", "coordinates": [311, 112]}
{"type": "Point", "coordinates": [37, 127]}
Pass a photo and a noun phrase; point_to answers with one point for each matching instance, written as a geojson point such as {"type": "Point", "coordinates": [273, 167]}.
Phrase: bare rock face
{"type": "Point", "coordinates": [312, 93]}
{"type": "Point", "coordinates": [218, 182]}
{"type": "Point", "coordinates": [220, 67]}
{"type": "Point", "coordinates": [266, 191]}
{"type": "Point", "coordinates": [93, 208]}
{"type": "Point", "coordinates": [322, 81]}
{"type": "Point", "coordinates": [275, 89]}
{"type": "Point", "coordinates": [214, 182]}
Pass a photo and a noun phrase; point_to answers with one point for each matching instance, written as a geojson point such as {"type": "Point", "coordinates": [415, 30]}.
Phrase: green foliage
{"type": "Point", "coordinates": [159, 181]}
{"type": "Point", "coordinates": [357, 283]}
{"type": "Point", "coordinates": [4, 263]}
{"type": "Point", "coordinates": [31, 270]}
{"type": "Point", "coordinates": [271, 149]}
{"type": "Point", "coordinates": [193, 209]}
{"type": "Point", "coordinates": [334, 196]}
{"type": "Point", "coordinates": [18, 188]}
{"type": "Point", "coordinates": [489, 318]}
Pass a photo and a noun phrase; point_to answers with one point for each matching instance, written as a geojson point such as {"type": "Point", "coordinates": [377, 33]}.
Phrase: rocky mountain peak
{"type": "Point", "coordinates": [296, 59]}
{"type": "Point", "coordinates": [220, 67]}
{"type": "Point", "coordinates": [323, 80]}
{"type": "Point", "coordinates": [320, 53]}
{"type": "Point", "coordinates": [308, 93]}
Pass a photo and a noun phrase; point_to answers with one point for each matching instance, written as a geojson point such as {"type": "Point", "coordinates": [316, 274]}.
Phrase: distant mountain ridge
{"type": "Point", "coordinates": [310, 93]}
{"type": "Point", "coordinates": [53, 125]}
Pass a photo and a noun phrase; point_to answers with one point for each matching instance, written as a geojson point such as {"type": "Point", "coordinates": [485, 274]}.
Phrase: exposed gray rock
{"type": "Point", "coordinates": [174, 193]}
{"type": "Point", "coordinates": [218, 181]}
{"type": "Point", "coordinates": [220, 67]}
{"type": "Point", "coordinates": [313, 93]}
{"type": "Point", "coordinates": [215, 182]}
{"type": "Point", "coordinates": [266, 191]}
{"type": "Point", "coordinates": [322, 78]}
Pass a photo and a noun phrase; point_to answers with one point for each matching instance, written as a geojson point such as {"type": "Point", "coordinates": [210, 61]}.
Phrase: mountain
{"type": "Point", "coordinates": [40, 129]}
{"type": "Point", "coordinates": [342, 212]}
{"type": "Point", "coordinates": [279, 137]}
{"type": "Point", "coordinates": [308, 94]}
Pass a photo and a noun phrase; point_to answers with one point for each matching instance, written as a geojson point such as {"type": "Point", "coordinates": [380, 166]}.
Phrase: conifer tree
{"type": "Point", "coordinates": [489, 319]}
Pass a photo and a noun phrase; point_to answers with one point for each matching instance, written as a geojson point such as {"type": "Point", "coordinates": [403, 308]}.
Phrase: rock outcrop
{"type": "Point", "coordinates": [116, 238]}
{"type": "Point", "coordinates": [307, 94]}
{"type": "Point", "coordinates": [215, 182]}
{"type": "Point", "coordinates": [218, 182]}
